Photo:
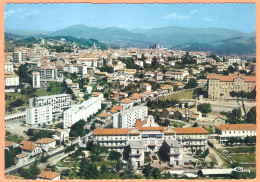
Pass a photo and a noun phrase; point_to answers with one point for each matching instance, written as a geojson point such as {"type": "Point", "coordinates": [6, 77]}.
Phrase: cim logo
{"type": "Point", "coordinates": [241, 169]}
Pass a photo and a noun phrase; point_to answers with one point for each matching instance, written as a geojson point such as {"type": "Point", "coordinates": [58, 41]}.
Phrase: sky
{"type": "Point", "coordinates": [53, 17]}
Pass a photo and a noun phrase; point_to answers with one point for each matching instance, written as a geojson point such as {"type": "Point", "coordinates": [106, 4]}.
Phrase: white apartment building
{"type": "Point", "coordinates": [239, 131]}
{"type": "Point", "coordinates": [57, 102]}
{"type": "Point", "coordinates": [176, 75]}
{"type": "Point", "coordinates": [11, 80]}
{"type": "Point", "coordinates": [36, 116]}
{"type": "Point", "coordinates": [231, 61]}
{"type": "Point", "coordinates": [196, 137]}
{"type": "Point", "coordinates": [9, 67]}
{"type": "Point", "coordinates": [81, 111]}
{"type": "Point", "coordinates": [127, 118]}
{"type": "Point", "coordinates": [79, 69]}
{"type": "Point", "coordinates": [48, 72]}
{"type": "Point", "coordinates": [146, 86]}
{"type": "Point", "coordinates": [19, 56]}
{"type": "Point", "coordinates": [36, 80]}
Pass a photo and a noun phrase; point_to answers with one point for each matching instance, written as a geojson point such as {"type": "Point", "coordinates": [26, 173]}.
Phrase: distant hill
{"type": "Point", "coordinates": [237, 45]}
{"type": "Point", "coordinates": [27, 32]}
{"type": "Point", "coordinates": [170, 37]}
{"type": "Point", "coordinates": [18, 40]}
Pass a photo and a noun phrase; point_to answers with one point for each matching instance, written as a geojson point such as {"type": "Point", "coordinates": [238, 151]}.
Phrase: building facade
{"type": "Point", "coordinates": [36, 116]}
{"type": "Point", "coordinates": [239, 131]}
{"type": "Point", "coordinates": [219, 86]}
{"type": "Point", "coordinates": [81, 111]}
{"type": "Point", "coordinates": [58, 102]}
{"type": "Point", "coordinates": [11, 80]}
{"type": "Point", "coordinates": [19, 56]}
{"type": "Point", "coordinates": [36, 80]}
{"type": "Point", "coordinates": [9, 67]}
{"type": "Point", "coordinates": [127, 118]}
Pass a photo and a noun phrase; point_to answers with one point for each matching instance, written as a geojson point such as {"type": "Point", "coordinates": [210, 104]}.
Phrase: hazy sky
{"type": "Point", "coordinates": [56, 16]}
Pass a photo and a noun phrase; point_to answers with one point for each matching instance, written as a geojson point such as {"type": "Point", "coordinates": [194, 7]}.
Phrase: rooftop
{"type": "Point", "coordinates": [194, 130]}
{"type": "Point", "coordinates": [48, 175]}
{"type": "Point", "coordinates": [114, 131]}
{"type": "Point", "coordinates": [237, 127]}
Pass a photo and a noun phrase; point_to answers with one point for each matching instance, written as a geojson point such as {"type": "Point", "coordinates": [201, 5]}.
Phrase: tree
{"type": "Point", "coordinates": [97, 152]}
{"type": "Point", "coordinates": [129, 170]}
{"type": "Point", "coordinates": [103, 170]}
{"type": "Point", "coordinates": [156, 173]}
{"type": "Point", "coordinates": [119, 165]}
{"type": "Point", "coordinates": [236, 114]}
{"type": "Point", "coordinates": [10, 156]}
{"type": "Point", "coordinates": [187, 59]}
{"type": "Point", "coordinates": [165, 113]}
{"type": "Point", "coordinates": [17, 103]}
{"type": "Point", "coordinates": [31, 172]}
{"type": "Point", "coordinates": [195, 125]}
{"type": "Point", "coordinates": [167, 122]}
{"type": "Point", "coordinates": [251, 116]}
{"type": "Point", "coordinates": [167, 175]}
{"type": "Point", "coordinates": [114, 155]}
{"type": "Point", "coordinates": [147, 171]}
{"type": "Point", "coordinates": [192, 83]}
{"type": "Point", "coordinates": [204, 108]}
{"type": "Point", "coordinates": [235, 164]}
{"type": "Point", "coordinates": [88, 170]}
{"type": "Point", "coordinates": [77, 128]}
{"type": "Point", "coordinates": [24, 74]}
{"type": "Point", "coordinates": [89, 145]}
{"type": "Point", "coordinates": [233, 94]}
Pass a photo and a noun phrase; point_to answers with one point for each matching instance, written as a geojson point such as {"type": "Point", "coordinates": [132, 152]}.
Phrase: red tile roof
{"type": "Point", "coordinates": [48, 175]}
{"type": "Point", "coordinates": [194, 130]}
{"type": "Point", "coordinates": [45, 140]}
{"type": "Point", "coordinates": [237, 127]}
{"type": "Point", "coordinates": [114, 131]}
{"type": "Point", "coordinates": [230, 78]}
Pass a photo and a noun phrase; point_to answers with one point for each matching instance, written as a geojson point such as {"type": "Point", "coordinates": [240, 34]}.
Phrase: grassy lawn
{"type": "Point", "coordinates": [239, 149]}
{"type": "Point", "coordinates": [55, 88]}
{"type": "Point", "coordinates": [247, 158]}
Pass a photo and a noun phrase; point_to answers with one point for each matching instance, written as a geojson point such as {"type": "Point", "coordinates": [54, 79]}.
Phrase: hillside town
{"type": "Point", "coordinates": [74, 112]}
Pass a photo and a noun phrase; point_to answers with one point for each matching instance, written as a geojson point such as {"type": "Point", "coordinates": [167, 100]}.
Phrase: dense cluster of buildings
{"type": "Point", "coordinates": [124, 123]}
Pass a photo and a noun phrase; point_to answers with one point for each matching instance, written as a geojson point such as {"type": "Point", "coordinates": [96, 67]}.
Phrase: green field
{"type": "Point", "coordinates": [185, 94]}
{"type": "Point", "coordinates": [244, 158]}
{"type": "Point", "coordinates": [235, 150]}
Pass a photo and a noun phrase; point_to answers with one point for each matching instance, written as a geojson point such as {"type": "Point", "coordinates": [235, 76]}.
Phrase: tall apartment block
{"type": "Point", "coordinates": [19, 56]}
{"type": "Point", "coordinates": [36, 80]}
{"type": "Point", "coordinates": [128, 117]}
{"type": "Point", "coordinates": [81, 111]}
{"type": "Point", "coordinates": [36, 116]}
{"type": "Point", "coordinates": [58, 102]}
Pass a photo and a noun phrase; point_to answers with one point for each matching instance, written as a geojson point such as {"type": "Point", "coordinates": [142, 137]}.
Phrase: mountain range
{"type": "Point", "coordinates": [219, 40]}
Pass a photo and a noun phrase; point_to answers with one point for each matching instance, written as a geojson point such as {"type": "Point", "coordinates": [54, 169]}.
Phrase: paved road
{"type": "Point", "coordinates": [53, 160]}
